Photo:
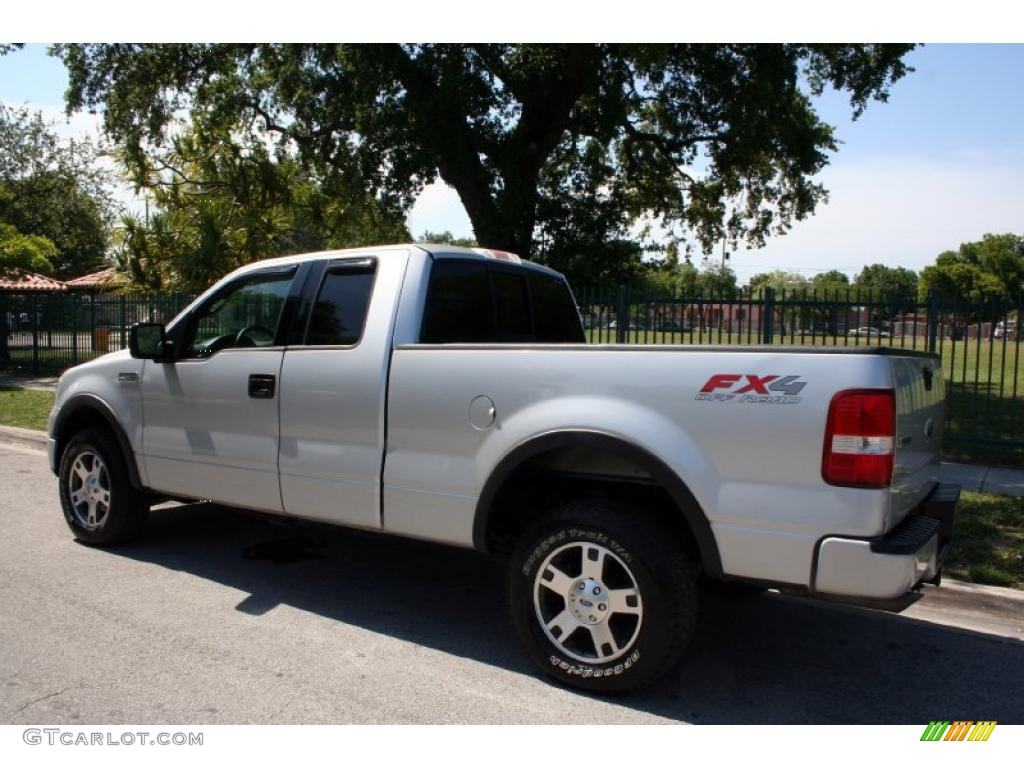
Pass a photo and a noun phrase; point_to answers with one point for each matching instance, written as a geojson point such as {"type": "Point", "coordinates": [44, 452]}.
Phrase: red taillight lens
{"type": "Point", "coordinates": [859, 438]}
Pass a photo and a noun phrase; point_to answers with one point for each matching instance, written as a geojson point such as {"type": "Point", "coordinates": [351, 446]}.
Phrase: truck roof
{"type": "Point", "coordinates": [436, 251]}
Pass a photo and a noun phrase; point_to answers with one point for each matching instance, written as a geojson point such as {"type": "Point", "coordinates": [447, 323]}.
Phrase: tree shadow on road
{"type": "Point", "coordinates": [769, 659]}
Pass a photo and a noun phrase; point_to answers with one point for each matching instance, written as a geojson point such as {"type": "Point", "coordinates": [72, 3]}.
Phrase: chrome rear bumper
{"type": "Point", "coordinates": [897, 563]}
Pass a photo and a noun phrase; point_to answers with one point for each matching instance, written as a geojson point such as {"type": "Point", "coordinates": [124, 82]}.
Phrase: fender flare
{"type": "Point", "coordinates": [662, 474]}
{"type": "Point", "coordinates": [84, 402]}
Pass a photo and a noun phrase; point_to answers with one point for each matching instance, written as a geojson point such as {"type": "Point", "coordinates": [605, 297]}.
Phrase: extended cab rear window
{"type": "Point", "coordinates": [339, 313]}
{"type": "Point", "coordinates": [472, 302]}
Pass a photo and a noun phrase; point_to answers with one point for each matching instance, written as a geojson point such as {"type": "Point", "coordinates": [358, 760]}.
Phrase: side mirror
{"type": "Point", "coordinates": [148, 341]}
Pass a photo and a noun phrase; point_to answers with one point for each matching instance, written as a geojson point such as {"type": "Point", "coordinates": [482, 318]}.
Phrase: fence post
{"type": "Point", "coordinates": [622, 316]}
{"type": "Point", "coordinates": [767, 314]}
{"type": "Point", "coordinates": [92, 324]}
{"type": "Point", "coordinates": [5, 342]}
{"type": "Point", "coordinates": [74, 329]}
{"type": "Point", "coordinates": [124, 320]}
{"type": "Point", "coordinates": [35, 334]}
{"type": "Point", "coordinates": [932, 321]}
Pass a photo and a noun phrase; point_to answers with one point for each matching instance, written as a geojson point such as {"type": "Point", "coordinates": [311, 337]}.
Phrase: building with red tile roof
{"type": "Point", "coordinates": [30, 282]}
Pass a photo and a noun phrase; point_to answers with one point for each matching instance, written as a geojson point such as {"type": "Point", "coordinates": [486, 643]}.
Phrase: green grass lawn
{"type": "Point", "coordinates": [988, 544]}
{"type": "Point", "coordinates": [26, 408]}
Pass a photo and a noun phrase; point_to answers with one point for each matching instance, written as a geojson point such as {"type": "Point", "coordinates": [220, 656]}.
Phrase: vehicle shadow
{"type": "Point", "coordinates": [765, 659]}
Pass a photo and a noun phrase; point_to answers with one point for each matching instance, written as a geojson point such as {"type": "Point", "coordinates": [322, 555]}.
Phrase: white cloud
{"type": "Point", "coordinates": [900, 212]}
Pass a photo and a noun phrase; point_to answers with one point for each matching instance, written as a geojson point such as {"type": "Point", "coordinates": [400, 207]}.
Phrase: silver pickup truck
{"type": "Point", "coordinates": [449, 394]}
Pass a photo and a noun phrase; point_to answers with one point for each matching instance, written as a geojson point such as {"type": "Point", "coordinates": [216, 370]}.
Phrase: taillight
{"type": "Point", "coordinates": [859, 438]}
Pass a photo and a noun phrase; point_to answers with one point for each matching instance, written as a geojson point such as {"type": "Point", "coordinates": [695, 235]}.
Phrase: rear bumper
{"type": "Point", "coordinates": [889, 567]}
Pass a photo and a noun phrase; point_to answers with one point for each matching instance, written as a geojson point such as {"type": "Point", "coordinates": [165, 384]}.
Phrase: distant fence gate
{"type": "Point", "coordinates": [980, 345]}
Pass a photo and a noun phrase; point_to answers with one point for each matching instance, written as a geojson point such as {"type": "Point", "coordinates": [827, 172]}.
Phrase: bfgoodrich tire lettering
{"type": "Point", "coordinates": [101, 507]}
{"type": "Point", "coordinates": [600, 598]}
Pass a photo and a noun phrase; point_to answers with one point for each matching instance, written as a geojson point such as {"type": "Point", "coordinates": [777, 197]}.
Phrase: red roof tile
{"type": "Point", "coordinates": [103, 278]}
{"type": "Point", "coordinates": [30, 281]}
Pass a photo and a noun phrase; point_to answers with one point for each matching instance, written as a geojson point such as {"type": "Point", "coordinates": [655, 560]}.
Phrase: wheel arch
{"type": "Point", "coordinates": [83, 411]}
{"type": "Point", "coordinates": [688, 510]}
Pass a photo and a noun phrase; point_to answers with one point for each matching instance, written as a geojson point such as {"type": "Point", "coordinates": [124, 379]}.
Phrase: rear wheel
{"type": "Point", "coordinates": [600, 597]}
{"type": "Point", "coordinates": [101, 507]}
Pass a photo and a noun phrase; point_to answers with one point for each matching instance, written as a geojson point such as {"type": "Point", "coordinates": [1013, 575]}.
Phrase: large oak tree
{"type": "Point", "coordinates": [555, 150]}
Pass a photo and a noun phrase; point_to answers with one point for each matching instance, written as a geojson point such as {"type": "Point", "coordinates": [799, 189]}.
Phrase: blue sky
{"type": "Point", "coordinates": [941, 163]}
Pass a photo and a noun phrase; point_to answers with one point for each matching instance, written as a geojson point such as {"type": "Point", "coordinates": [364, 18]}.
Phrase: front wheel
{"type": "Point", "coordinates": [101, 507]}
{"type": "Point", "coordinates": [600, 597]}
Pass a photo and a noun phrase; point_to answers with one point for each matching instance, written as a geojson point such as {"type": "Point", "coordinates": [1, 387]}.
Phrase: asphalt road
{"type": "Point", "coordinates": [219, 617]}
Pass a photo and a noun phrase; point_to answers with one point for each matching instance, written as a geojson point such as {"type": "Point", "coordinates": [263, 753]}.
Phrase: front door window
{"type": "Point", "coordinates": [245, 313]}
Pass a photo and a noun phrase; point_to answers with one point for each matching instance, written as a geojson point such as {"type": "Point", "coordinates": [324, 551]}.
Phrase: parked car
{"type": "Point", "coordinates": [869, 332]}
{"type": "Point", "coordinates": [448, 394]}
{"type": "Point", "coordinates": [1005, 329]}
{"type": "Point", "coordinates": [631, 326]}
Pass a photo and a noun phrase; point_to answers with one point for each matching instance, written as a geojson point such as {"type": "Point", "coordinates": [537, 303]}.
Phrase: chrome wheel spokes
{"type": "Point", "coordinates": [89, 490]}
{"type": "Point", "coordinates": [588, 602]}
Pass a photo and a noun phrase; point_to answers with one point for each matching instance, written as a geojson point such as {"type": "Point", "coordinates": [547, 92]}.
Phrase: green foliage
{"type": "Point", "coordinates": [668, 278]}
{"type": "Point", "coordinates": [223, 200]}
{"type": "Point", "coordinates": [778, 280]}
{"type": "Point", "coordinates": [447, 238]}
{"type": "Point", "coordinates": [987, 272]}
{"type": "Point", "coordinates": [830, 279]}
{"type": "Point", "coordinates": [24, 253]}
{"type": "Point", "coordinates": [1002, 256]}
{"type": "Point", "coordinates": [55, 190]}
{"type": "Point", "coordinates": [895, 286]}
{"type": "Point", "coordinates": [554, 150]}
{"type": "Point", "coordinates": [717, 280]}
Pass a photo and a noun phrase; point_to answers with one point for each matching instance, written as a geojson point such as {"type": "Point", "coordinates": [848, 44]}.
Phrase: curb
{"type": "Point", "coordinates": [32, 437]}
{"type": "Point", "coordinates": [983, 590]}
{"type": "Point", "coordinates": [996, 611]}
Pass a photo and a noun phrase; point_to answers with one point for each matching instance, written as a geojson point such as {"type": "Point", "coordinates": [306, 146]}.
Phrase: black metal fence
{"type": "Point", "coordinates": [979, 343]}
{"type": "Point", "coordinates": [46, 333]}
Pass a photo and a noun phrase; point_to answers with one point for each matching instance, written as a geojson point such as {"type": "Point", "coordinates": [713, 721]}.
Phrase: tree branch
{"type": "Point", "coordinates": [458, 149]}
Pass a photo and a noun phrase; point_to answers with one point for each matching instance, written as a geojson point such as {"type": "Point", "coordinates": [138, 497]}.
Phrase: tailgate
{"type": "Point", "coordinates": [920, 419]}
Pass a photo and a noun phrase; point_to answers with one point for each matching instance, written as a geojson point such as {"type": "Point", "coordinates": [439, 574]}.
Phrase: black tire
{"type": "Point", "coordinates": [637, 548]}
{"type": "Point", "coordinates": [127, 509]}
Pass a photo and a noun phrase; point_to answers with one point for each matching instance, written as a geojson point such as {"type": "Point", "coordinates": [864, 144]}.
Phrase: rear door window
{"type": "Point", "coordinates": [556, 320]}
{"type": "Point", "coordinates": [512, 306]}
{"type": "Point", "coordinates": [459, 304]}
{"type": "Point", "coordinates": [473, 302]}
{"type": "Point", "coordinates": [339, 313]}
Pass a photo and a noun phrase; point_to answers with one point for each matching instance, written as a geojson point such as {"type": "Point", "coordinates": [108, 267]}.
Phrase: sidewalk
{"type": "Point", "coordinates": [11, 381]}
{"type": "Point", "coordinates": [974, 477]}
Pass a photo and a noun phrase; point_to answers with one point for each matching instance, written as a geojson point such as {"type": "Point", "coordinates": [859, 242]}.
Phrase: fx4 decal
{"type": "Point", "coordinates": [751, 388]}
